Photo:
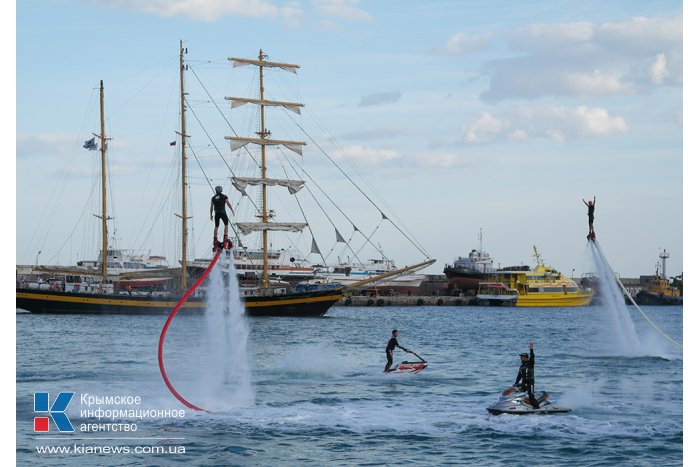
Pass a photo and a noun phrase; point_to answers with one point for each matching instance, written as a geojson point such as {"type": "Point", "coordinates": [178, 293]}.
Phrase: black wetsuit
{"type": "Point", "coordinates": [393, 343]}
{"type": "Point", "coordinates": [591, 208]}
{"type": "Point", "coordinates": [219, 203]}
{"type": "Point", "coordinates": [526, 374]}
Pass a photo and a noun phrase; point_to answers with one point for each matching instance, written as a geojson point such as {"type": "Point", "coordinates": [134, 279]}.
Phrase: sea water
{"type": "Point", "coordinates": [320, 397]}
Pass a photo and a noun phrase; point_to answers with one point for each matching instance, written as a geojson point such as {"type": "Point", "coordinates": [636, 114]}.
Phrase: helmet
{"type": "Point", "coordinates": [524, 355]}
{"type": "Point", "coordinates": [219, 189]}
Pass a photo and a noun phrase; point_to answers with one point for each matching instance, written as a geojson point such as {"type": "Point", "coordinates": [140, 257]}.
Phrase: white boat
{"type": "Point", "coordinates": [347, 273]}
{"type": "Point", "coordinates": [119, 261]}
{"type": "Point", "coordinates": [495, 294]}
{"type": "Point", "coordinates": [282, 264]}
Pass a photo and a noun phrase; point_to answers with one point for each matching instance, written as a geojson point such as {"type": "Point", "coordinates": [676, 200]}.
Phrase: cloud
{"type": "Point", "coordinates": [197, 10]}
{"type": "Point", "coordinates": [344, 9]}
{"type": "Point", "coordinates": [658, 71]}
{"type": "Point", "coordinates": [484, 129]}
{"type": "Point", "coordinates": [376, 158]}
{"type": "Point", "coordinates": [380, 98]}
{"type": "Point", "coordinates": [327, 25]}
{"type": "Point", "coordinates": [365, 156]}
{"type": "Point", "coordinates": [589, 60]}
{"type": "Point", "coordinates": [45, 144]}
{"type": "Point", "coordinates": [379, 133]}
{"type": "Point", "coordinates": [292, 14]}
{"type": "Point", "coordinates": [461, 44]}
{"type": "Point", "coordinates": [438, 160]}
{"type": "Point", "coordinates": [558, 123]}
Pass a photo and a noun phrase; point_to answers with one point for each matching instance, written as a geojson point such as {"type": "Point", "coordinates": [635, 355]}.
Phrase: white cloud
{"type": "Point", "coordinates": [460, 43]}
{"type": "Point", "coordinates": [364, 155]}
{"type": "Point", "coordinates": [642, 35]}
{"type": "Point", "coordinates": [198, 10]}
{"type": "Point", "coordinates": [380, 98]}
{"type": "Point", "coordinates": [484, 129]}
{"type": "Point", "coordinates": [518, 135]}
{"type": "Point", "coordinates": [345, 9]}
{"type": "Point", "coordinates": [44, 144]}
{"type": "Point", "coordinates": [379, 133]}
{"type": "Point", "coordinates": [558, 123]}
{"type": "Point", "coordinates": [589, 60]}
{"type": "Point", "coordinates": [597, 122]}
{"type": "Point", "coordinates": [595, 83]}
{"type": "Point", "coordinates": [438, 160]}
{"type": "Point", "coordinates": [327, 25]}
{"type": "Point", "coordinates": [658, 71]}
{"type": "Point", "coordinates": [292, 14]}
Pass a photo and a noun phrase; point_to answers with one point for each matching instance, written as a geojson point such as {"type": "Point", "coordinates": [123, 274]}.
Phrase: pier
{"type": "Point", "coordinates": [406, 300]}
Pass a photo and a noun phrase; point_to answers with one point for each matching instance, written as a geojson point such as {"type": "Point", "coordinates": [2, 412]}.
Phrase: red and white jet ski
{"type": "Point", "coordinates": [410, 367]}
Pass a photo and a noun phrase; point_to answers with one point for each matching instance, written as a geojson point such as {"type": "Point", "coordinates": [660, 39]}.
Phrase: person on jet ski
{"type": "Point", "coordinates": [526, 374]}
{"type": "Point", "coordinates": [393, 343]}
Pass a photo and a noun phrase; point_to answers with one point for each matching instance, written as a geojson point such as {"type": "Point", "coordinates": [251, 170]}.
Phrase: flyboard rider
{"type": "Point", "coordinates": [217, 212]}
{"type": "Point", "coordinates": [591, 207]}
{"type": "Point", "coordinates": [393, 343]}
{"type": "Point", "coordinates": [526, 374]}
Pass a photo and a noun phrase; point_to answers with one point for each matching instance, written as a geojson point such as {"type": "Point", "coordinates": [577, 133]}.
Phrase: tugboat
{"type": "Point", "coordinates": [466, 273]}
{"type": "Point", "coordinates": [660, 291]}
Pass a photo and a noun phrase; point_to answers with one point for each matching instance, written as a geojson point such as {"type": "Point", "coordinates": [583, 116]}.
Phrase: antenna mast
{"type": "Point", "coordinates": [664, 256]}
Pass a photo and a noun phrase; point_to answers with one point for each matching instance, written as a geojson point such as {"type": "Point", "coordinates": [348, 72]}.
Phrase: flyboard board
{"type": "Point", "coordinates": [409, 367]}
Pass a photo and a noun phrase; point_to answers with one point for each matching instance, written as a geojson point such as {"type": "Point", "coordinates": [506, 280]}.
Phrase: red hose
{"type": "Point", "coordinates": [165, 330]}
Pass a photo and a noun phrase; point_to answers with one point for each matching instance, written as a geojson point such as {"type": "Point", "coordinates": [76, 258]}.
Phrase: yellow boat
{"type": "Point", "coordinates": [543, 286]}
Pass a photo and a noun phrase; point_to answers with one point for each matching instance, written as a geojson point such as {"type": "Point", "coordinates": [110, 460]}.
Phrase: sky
{"type": "Point", "coordinates": [453, 116]}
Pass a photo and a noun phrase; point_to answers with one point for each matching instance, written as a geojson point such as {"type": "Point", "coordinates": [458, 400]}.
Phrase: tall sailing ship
{"type": "Point", "coordinates": [80, 291]}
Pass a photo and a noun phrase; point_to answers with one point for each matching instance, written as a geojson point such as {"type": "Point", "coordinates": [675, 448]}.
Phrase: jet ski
{"type": "Point", "coordinates": [514, 400]}
{"type": "Point", "coordinates": [410, 367]}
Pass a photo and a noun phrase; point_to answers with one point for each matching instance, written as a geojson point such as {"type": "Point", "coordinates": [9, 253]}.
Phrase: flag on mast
{"type": "Point", "coordinates": [90, 144]}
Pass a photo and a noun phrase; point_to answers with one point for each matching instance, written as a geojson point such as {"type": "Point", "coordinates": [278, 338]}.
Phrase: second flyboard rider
{"type": "Point", "coordinates": [591, 208]}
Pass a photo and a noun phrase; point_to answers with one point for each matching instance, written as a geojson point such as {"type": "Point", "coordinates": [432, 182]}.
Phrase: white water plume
{"type": "Point", "coordinates": [616, 311]}
{"type": "Point", "coordinates": [228, 375]}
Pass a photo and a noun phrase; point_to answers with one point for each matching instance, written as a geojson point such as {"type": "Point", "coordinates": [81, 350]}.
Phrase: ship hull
{"type": "Point", "coordinates": [647, 298]}
{"type": "Point", "coordinates": [302, 304]}
{"type": "Point", "coordinates": [554, 299]}
{"type": "Point", "coordinates": [493, 300]}
{"type": "Point", "coordinates": [464, 279]}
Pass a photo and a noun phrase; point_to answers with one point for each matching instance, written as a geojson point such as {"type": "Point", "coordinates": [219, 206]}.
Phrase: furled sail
{"type": "Point", "coordinates": [249, 227]}
{"type": "Point", "coordinates": [240, 183]}
{"type": "Point", "coordinates": [237, 142]}
{"type": "Point", "coordinates": [239, 101]}
{"type": "Point", "coordinates": [264, 63]}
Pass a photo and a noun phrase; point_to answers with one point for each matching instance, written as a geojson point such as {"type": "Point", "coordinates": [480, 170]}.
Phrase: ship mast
{"type": "Point", "coordinates": [103, 150]}
{"type": "Point", "coordinates": [183, 142]}
{"type": "Point", "coordinates": [263, 171]}
{"type": "Point", "coordinates": [264, 140]}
